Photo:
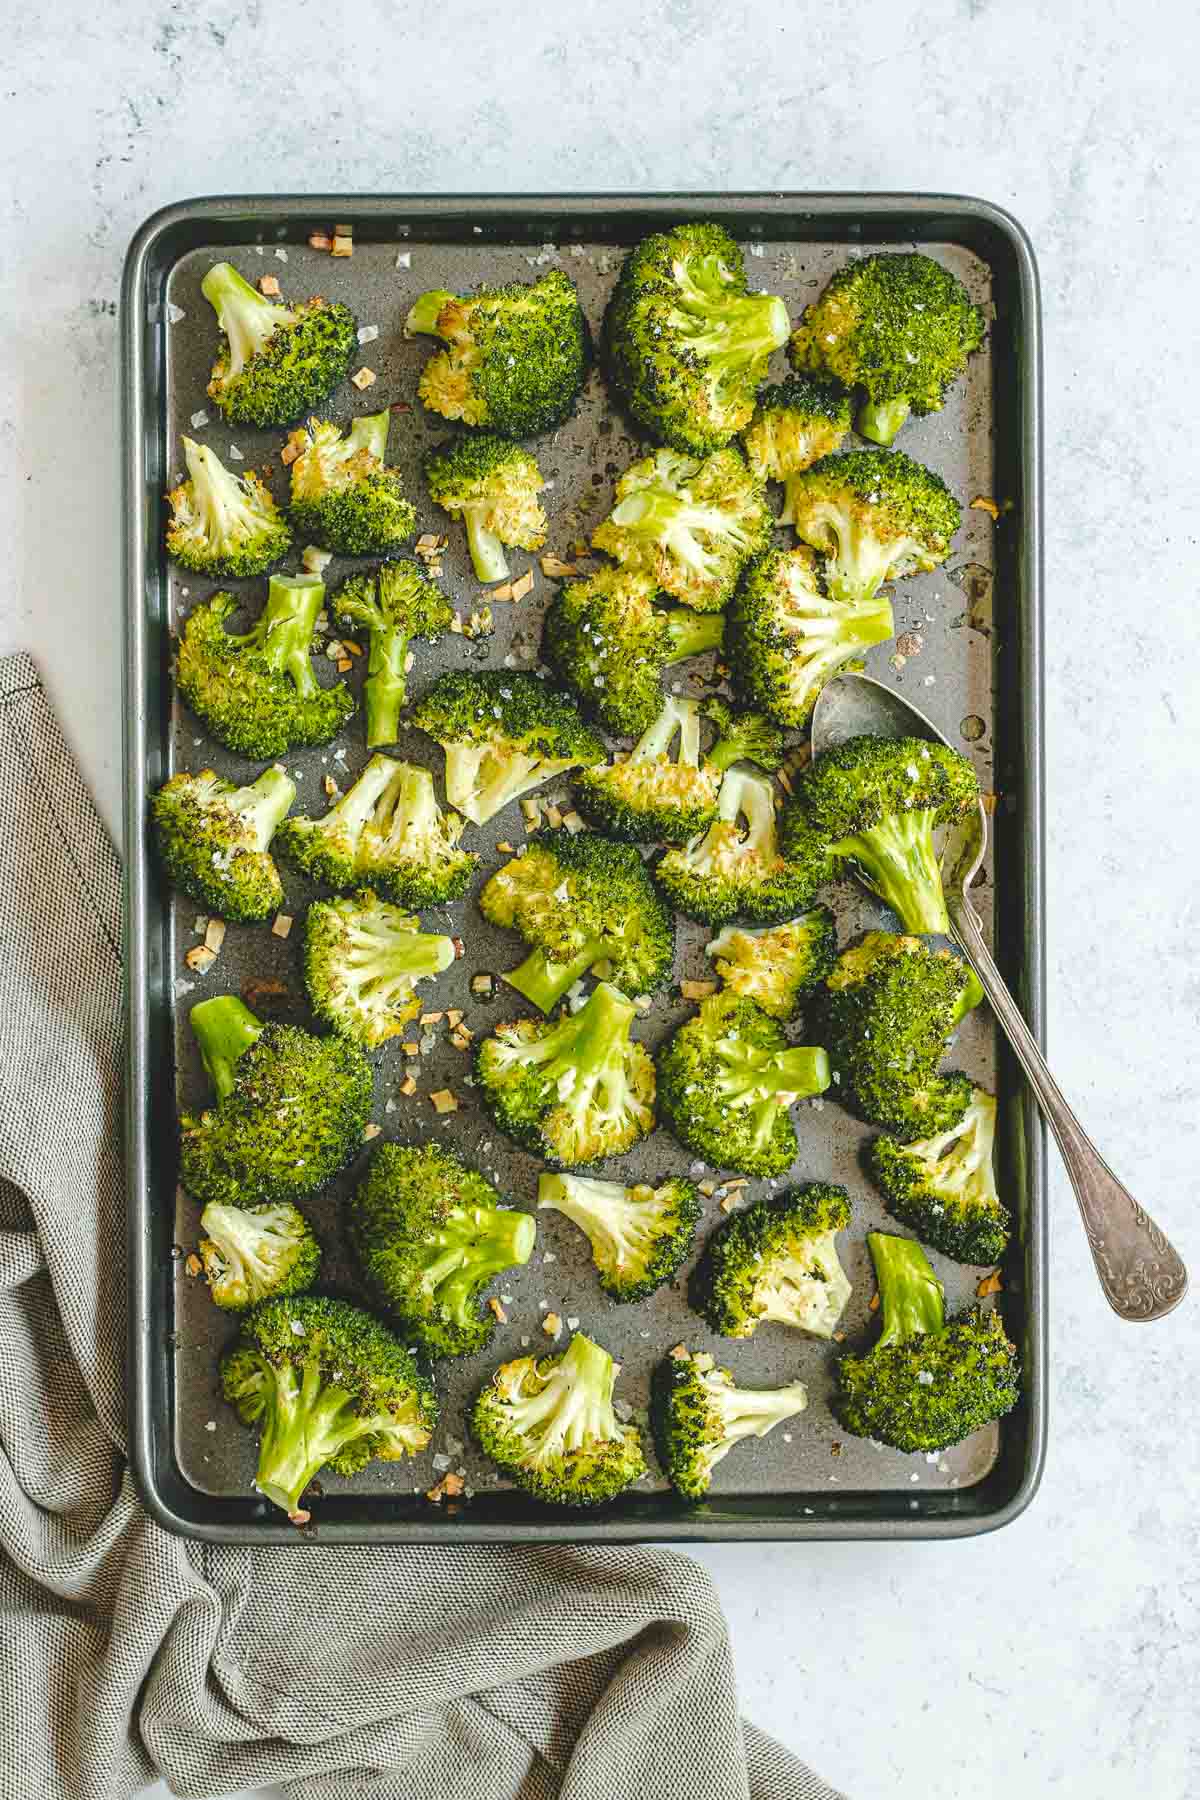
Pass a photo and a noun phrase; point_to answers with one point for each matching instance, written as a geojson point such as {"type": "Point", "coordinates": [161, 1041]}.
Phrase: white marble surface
{"type": "Point", "coordinates": [1059, 1657]}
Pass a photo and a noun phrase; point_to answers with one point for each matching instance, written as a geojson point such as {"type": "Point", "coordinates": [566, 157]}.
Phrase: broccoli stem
{"type": "Point", "coordinates": [747, 795]}
{"type": "Point", "coordinates": [505, 1239]}
{"type": "Point", "coordinates": [264, 804]}
{"type": "Point", "coordinates": [544, 983]}
{"type": "Point", "coordinates": [370, 433]}
{"type": "Point", "coordinates": [228, 510]}
{"type": "Point", "coordinates": [423, 313]}
{"type": "Point", "coordinates": [224, 1028]}
{"type": "Point", "coordinates": [283, 634]}
{"type": "Point", "coordinates": [691, 634]}
{"type": "Point", "coordinates": [386, 687]}
{"type": "Point", "coordinates": [802, 1070]}
{"type": "Point", "coordinates": [487, 552]}
{"type": "Point", "coordinates": [303, 1427]}
{"type": "Point", "coordinates": [682, 716]}
{"type": "Point", "coordinates": [880, 420]}
{"type": "Point", "coordinates": [910, 1293]}
{"type": "Point", "coordinates": [896, 859]}
{"type": "Point", "coordinates": [245, 316]}
{"type": "Point", "coordinates": [751, 1412]}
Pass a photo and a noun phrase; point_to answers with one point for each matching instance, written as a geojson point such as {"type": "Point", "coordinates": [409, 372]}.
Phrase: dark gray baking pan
{"type": "Point", "coordinates": [978, 674]}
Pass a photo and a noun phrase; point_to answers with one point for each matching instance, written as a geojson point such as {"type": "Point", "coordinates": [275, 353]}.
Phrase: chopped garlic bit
{"type": "Point", "coordinates": [342, 244]}
{"type": "Point", "coordinates": [214, 935]}
{"type": "Point", "coordinates": [555, 568]}
{"type": "Point", "coordinates": [312, 560]}
{"type": "Point", "coordinates": [319, 240]}
{"type": "Point", "coordinates": [269, 285]}
{"type": "Point", "coordinates": [371, 1131]}
{"type": "Point", "coordinates": [281, 925]}
{"type": "Point", "coordinates": [484, 985]}
{"type": "Point", "coordinates": [444, 1101]}
{"type": "Point", "coordinates": [408, 1085]}
{"type": "Point", "coordinates": [523, 585]}
{"type": "Point", "coordinates": [991, 1284]}
{"type": "Point", "coordinates": [573, 822]}
{"type": "Point", "coordinates": [498, 1310]}
{"type": "Point", "coordinates": [982, 503]}
{"type": "Point", "coordinates": [363, 378]}
{"type": "Point", "coordinates": [552, 1325]}
{"type": "Point", "coordinates": [200, 958]}
{"type": "Point", "coordinates": [697, 990]}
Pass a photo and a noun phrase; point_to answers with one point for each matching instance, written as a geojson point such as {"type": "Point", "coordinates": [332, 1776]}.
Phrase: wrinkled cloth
{"type": "Point", "coordinates": [127, 1653]}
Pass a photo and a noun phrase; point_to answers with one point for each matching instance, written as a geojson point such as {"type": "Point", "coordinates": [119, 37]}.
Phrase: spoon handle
{"type": "Point", "coordinates": [1142, 1274]}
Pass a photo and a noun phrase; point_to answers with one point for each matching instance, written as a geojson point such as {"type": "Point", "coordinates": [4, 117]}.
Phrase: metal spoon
{"type": "Point", "coordinates": [1142, 1275]}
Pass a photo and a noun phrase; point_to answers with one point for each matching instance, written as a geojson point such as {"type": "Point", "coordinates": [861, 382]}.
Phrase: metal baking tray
{"type": "Point", "coordinates": [980, 619]}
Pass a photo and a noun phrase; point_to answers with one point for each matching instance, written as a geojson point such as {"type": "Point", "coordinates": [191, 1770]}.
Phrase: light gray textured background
{"type": "Point", "coordinates": [1058, 1658]}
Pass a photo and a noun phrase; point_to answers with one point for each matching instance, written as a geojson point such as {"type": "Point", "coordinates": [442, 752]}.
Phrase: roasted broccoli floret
{"type": "Point", "coordinates": [890, 1007]}
{"type": "Point", "coordinates": [896, 326]}
{"type": "Point", "coordinates": [605, 640]}
{"type": "Point", "coordinates": [362, 961]}
{"type": "Point", "coordinates": [874, 803]}
{"type": "Point", "coordinates": [777, 1260]}
{"type": "Point", "coordinates": [328, 1387]}
{"type": "Point", "coordinates": [387, 830]}
{"type": "Point", "coordinates": [493, 487]}
{"type": "Point", "coordinates": [944, 1187]}
{"type": "Point", "coordinates": [639, 1235]}
{"type": "Point", "coordinates": [776, 965]}
{"type": "Point", "coordinates": [429, 1234]}
{"type": "Point", "coordinates": [252, 1253]}
{"type": "Point", "coordinates": [289, 1113]}
{"type": "Point", "coordinates": [874, 516]}
{"type": "Point", "coordinates": [394, 604]}
{"type": "Point", "coordinates": [786, 638]}
{"type": "Point", "coordinates": [573, 1089]}
{"type": "Point", "coordinates": [734, 870]}
{"type": "Point", "coordinates": [699, 1414]}
{"type": "Point", "coordinates": [550, 1425]}
{"type": "Point", "coordinates": [503, 736]}
{"type": "Point", "coordinates": [794, 426]}
{"type": "Point", "coordinates": [928, 1381]}
{"type": "Point", "coordinates": [516, 356]}
{"type": "Point", "coordinates": [581, 901]}
{"type": "Point", "coordinates": [214, 839]}
{"type": "Point", "coordinates": [726, 1079]}
{"type": "Point", "coordinates": [686, 343]}
{"type": "Point", "coordinates": [691, 524]}
{"type": "Point", "coordinates": [222, 523]}
{"type": "Point", "coordinates": [256, 690]}
{"type": "Point", "coordinates": [343, 495]}
{"type": "Point", "coordinates": [275, 361]}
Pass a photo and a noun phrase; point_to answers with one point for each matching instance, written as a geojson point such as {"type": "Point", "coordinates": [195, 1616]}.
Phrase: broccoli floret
{"type": "Point", "coordinates": [732, 870]}
{"type": "Point", "coordinates": [777, 1260]}
{"type": "Point", "coordinates": [387, 830]}
{"type": "Point", "coordinates": [503, 735]}
{"type": "Point", "coordinates": [743, 736]}
{"type": "Point", "coordinates": [605, 640]}
{"type": "Point", "coordinates": [549, 1423]}
{"type": "Point", "coordinates": [944, 1187]}
{"type": "Point", "coordinates": [516, 355]}
{"type": "Point", "coordinates": [786, 638]}
{"type": "Point", "coordinates": [776, 965]}
{"type": "Point", "coordinates": [213, 840]}
{"type": "Point", "coordinates": [686, 344]}
{"type": "Point", "coordinates": [328, 1387]}
{"type": "Point", "coordinates": [794, 426]}
{"type": "Point", "coordinates": [222, 523]}
{"type": "Point", "coordinates": [890, 1007]}
{"type": "Point", "coordinates": [726, 1078]}
{"type": "Point", "coordinates": [429, 1234]}
{"type": "Point", "coordinates": [690, 524]}
{"type": "Point", "coordinates": [275, 361]}
{"type": "Point", "coordinates": [874, 803]}
{"type": "Point", "coordinates": [394, 604]}
{"type": "Point", "coordinates": [639, 1235]}
{"type": "Point", "coordinates": [573, 1089]}
{"type": "Point", "coordinates": [252, 1253]}
{"type": "Point", "coordinates": [874, 516]}
{"type": "Point", "coordinates": [289, 1113]}
{"type": "Point", "coordinates": [343, 495]}
{"type": "Point", "coordinates": [896, 326]}
{"type": "Point", "coordinates": [699, 1414]}
{"type": "Point", "coordinates": [650, 797]}
{"type": "Point", "coordinates": [581, 902]}
{"type": "Point", "coordinates": [362, 961]}
{"type": "Point", "coordinates": [493, 486]}
{"type": "Point", "coordinates": [256, 690]}
{"type": "Point", "coordinates": [928, 1382]}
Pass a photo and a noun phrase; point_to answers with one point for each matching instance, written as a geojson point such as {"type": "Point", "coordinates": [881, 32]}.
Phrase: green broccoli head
{"type": "Point", "coordinates": [429, 1234]}
{"type": "Point", "coordinates": [549, 1424]}
{"type": "Point", "coordinates": [343, 495]}
{"type": "Point", "coordinates": [651, 796]}
{"type": "Point", "coordinates": [777, 965]}
{"type": "Point", "coordinates": [699, 1413]}
{"type": "Point", "coordinates": [726, 1079]}
{"type": "Point", "coordinates": [898, 327]}
{"type": "Point", "coordinates": [386, 830]}
{"type": "Point", "coordinates": [363, 959]}
{"type": "Point", "coordinates": [786, 638]}
{"type": "Point", "coordinates": [686, 343]}
{"type": "Point", "coordinates": [691, 524]}
{"type": "Point", "coordinates": [275, 361]}
{"type": "Point", "coordinates": [503, 735]}
{"type": "Point", "coordinates": [639, 1235]}
{"type": "Point", "coordinates": [927, 1382]}
{"type": "Point", "coordinates": [743, 737]}
{"type": "Point", "coordinates": [739, 870]}
{"type": "Point", "coordinates": [328, 1387]}
{"type": "Point", "coordinates": [213, 840]}
{"type": "Point", "coordinates": [394, 604]}
{"type": "Point", "coordinates": [874, 516]}
{"type": "Point", "coordinates": [289, 1112]}
{"type": "Point", "coordinates": [493, 487]}
{"type": "Point", "coordinates": [777, 1260]}
{"type": "Point", "coordinates": [223, 524]}
{"type": "Point", "coordinates": [944, 1188]}
{"type": "Point", "coordinates": [574, 1089]}
{"type": "Point", "coordinates": [253, 1253]}
{"type": "Point", "coordinates": [516, 356]}
{"type": "Point", "coordinates": [256, 690]}
{"type": "Point", "coordinates": [794, 426]}
{"type": "Point", "coordinates": [610, 645]}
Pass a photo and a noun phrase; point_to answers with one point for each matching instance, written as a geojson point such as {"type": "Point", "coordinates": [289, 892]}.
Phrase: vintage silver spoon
{"type": "Point", "coordinates": [1142, 1275]}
